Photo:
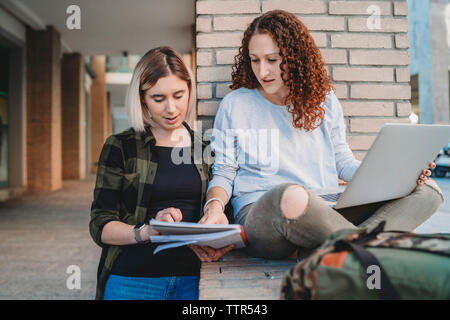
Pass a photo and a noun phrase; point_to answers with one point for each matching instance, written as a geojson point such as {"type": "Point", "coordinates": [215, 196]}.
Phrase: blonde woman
{"type": "Point", "coordinates": [140, 177]}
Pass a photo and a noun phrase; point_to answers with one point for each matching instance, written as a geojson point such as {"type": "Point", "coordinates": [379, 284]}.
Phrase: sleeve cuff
{"type": "Point", "coordinates": [219, 181]}
{"type": "Point", "coordinates": [349, 171]}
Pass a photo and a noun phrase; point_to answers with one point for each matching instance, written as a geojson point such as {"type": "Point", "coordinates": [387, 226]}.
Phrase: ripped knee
{"type": "Point", "coordinates": [294, 201]}
{"type": "Point", "coordinates": [431, 183]}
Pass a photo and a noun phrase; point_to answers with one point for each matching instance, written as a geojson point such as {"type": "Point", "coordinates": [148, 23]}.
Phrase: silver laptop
{"type": "Point", "coordinates": [392, 166]}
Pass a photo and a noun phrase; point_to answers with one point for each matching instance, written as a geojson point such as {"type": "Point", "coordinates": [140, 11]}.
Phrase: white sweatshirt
{"type": "Point", "coordinates": [257, 147]}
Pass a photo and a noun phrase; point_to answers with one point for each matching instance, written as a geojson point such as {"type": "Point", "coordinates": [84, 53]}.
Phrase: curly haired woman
{"type": "Point", "coordinates": [282, 104]}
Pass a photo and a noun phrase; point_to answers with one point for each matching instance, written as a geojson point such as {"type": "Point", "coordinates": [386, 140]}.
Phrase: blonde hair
{"type": "Point", "coordinates": [157, 63]}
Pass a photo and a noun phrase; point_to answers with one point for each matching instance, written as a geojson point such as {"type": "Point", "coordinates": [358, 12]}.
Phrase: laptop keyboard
{"type": "Point", "coordinates": [333, 197]}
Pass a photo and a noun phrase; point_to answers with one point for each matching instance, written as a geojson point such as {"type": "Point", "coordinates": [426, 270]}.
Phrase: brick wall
{"type": "Point", "coordinates": [366, 56]}
{"type": "Point", "coordinates": [99, 110]}
{"type": "Point", "coordinates": [73, 117]}
{"type": "Point", "coordinates": [43, 93]}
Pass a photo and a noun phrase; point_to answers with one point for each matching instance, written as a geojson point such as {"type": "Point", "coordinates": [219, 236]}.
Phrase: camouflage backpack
{"type": "Point", "coordinates": [377, 264]}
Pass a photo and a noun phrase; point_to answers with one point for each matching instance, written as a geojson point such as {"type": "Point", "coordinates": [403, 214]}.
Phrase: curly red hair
{"type": "Point", "coordinates": [302, 68]}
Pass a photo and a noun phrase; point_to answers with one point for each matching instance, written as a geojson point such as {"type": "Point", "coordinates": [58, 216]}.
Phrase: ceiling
{"type": "Point", "coordinates": [109, 27]}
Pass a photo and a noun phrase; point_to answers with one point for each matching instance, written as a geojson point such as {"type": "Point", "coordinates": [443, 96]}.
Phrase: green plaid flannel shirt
{"type": "Point", "coordinates": [125, 172]}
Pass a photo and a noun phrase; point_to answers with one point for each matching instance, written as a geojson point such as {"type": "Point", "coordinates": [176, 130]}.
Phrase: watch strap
{"type": "Point", "coordinates": [137, 233]}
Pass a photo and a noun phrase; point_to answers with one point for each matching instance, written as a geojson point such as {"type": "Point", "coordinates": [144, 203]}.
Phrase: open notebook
{"type": "Point", "coordinates": [177, 234]}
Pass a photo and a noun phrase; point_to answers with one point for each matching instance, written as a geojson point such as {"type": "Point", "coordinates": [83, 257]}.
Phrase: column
{"type": "Point", "coordinates": [99, 109]}
{"type": "Point", "coordinates": [440, 51]}
{"type": "Point", "coordinates": [73, 117]}
{"type": "Point", "coordinates": [43, 78]}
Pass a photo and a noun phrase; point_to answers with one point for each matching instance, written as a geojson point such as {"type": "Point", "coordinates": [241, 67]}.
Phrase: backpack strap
{"type": "Point", "coordinates": [387, 291]}
{"type": "Point", "coordinates": [370, 234]}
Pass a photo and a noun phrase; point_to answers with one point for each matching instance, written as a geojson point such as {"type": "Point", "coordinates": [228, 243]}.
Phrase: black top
{"type": "Point", "coordinates": [178, 186]}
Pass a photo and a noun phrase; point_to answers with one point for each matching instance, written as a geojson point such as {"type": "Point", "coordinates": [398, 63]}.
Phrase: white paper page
{"type": "Point", "coordinates": [172, 245]}
{"type": "Point", "coordinates": [191, 237]}
{"type": "Point", "coordinates": [190, 227]}
{"type": "Point", "coordinates": [215, 240]}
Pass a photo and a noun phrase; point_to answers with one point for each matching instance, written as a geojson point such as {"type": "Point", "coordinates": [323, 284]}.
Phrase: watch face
{"type": "Point", "coordinates": [139, 225]}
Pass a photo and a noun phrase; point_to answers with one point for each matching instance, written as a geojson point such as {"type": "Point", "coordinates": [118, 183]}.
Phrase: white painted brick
{"type": "Point", "coordinates": [359, 155]}
{"type": "Point", "coordinates": [379, 57]}
{"type": "Point", "coordinates": [359, 7]}
{"type": "Point", "coordinates": [324, 23]}
{"type": "Point", "coordinates": [403, 109]}
{"type": "Point", "coordinates": [401, 8]}
{"type": "Point", "coordinates": [226, 56]}
{"type": "Point", "coordinates": [203, 24]}
{"type": "Point", "coordinates": [204, 91]}
{"type": "Point", "coordinates": [380, 91]}
{"type": "Point", "coordinates": [232, 23]}
{"type": "Point", "coordinates": [365, 108]}
{"type": "Point", "coordinates": [340, 90]}
{"type": "Point", "coordinates": [220, 24]}
{"type": "Point", "coordinates": [204, 58]}
{"type": "Point", "coordinates": [386, 25]}
{"type": "Point", "coordinates": [227, 7]}
{"type": "Point", "coordinates": [222, 89]}
{"type": "Point", "coordinates": [360, 142]}
{"type": "Point", "coordinates": [217, 40]}
{"type": "Point", "coordinates": [402, 75]}
{"type": "Point", "coordinates": [363, 74]}
{"type": "Point", "coordinates": [295, 6]}
{"type": "Point", "coordinates": [207, 108]}
{"type": "Point", "coordinates": [372, 125]}
{"type": "Point", "coordinates": [206, 124]}
{"type": "Point", "coordinates": [349, 40]}
{"type": "Point", "coordinates": [334, 56]}
{"type": "Point", "coordinates": [320, 38]}
{"type": "Point", "coordinates": [402, 41]}
{"type": "Point", "coordinates": [211, 74]}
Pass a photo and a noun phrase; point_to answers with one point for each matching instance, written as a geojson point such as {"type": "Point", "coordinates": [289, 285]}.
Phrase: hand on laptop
{"type": "Point", "coordinates": [425, 174]}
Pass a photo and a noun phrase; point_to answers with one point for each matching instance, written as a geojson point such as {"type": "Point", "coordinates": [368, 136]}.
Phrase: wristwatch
{"type": "Point", "coordinates": [137, 233]}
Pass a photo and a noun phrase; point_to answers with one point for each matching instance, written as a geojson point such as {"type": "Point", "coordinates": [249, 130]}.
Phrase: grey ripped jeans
{"type": "Point", "coordinates": [273, 236]}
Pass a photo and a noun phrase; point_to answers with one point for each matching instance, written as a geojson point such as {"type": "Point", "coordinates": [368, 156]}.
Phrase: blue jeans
{"type": "Point", "coordinates": [164, 288]}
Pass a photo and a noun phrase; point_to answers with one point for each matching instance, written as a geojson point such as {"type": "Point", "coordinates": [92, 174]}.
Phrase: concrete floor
{"type": "Point", "coordinates": [42, 235]}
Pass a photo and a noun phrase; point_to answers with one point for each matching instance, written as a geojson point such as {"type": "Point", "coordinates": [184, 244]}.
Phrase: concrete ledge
{"type": "Point", "coordinates": [239, 276]}
{"type": "Point", "coordinates": [11, 193]}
